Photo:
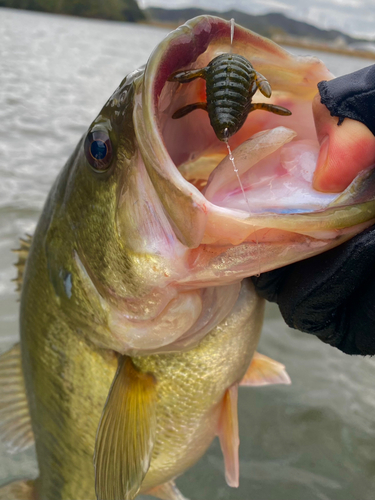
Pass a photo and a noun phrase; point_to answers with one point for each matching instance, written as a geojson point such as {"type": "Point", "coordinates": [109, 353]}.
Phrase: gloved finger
{"type": "Point", "coordinates": [268, 284]}
{"type": "Point", "coordinates": [345, 150]}
{"type": "Point", "coordinates": [317, 293]}
{"type": "Point", "coordinates": [354, 332]}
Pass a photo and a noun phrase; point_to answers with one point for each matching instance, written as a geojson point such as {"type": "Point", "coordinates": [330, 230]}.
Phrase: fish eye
{"type": "Point", "coordinates": [98, 150]}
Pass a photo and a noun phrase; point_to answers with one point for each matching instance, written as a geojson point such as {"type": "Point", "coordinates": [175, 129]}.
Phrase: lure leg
{"type": "Point", "coordinates": [262, 84]}
{"type": "Point", "coordinates": [188, 109]}
{"type": "Point", "coordinates": [278, 110]}
{"type": "Point", "coordinates": [253, 89]}
{"type": "Point", "coordinates": [187, 76]}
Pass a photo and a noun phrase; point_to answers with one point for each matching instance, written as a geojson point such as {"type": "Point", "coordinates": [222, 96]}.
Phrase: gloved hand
{"type": "Point", "coordinates": [333, 295]}
{"type": "Point", "coordinates": [344, 114]}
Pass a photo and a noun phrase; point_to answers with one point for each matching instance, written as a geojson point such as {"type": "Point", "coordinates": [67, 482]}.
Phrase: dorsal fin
{"type": "Point", "coordinates": [15, 421]}
{"type": "Point", "coordinates": [22, 253]}
{"type": "Point", "coordinates": [126, 434]}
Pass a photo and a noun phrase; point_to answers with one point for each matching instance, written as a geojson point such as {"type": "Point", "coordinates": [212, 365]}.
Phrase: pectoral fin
{"type": "Point", "coordinates": [15, 421]}
{"type": "Point", "coordinates": [265, 371]}
{"type": "Point", "coordinates": [228, 435]}
{"type": "Point", "coordinates": [126, 434]}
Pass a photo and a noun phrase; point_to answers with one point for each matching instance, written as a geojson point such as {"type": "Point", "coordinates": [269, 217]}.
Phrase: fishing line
{"type": "Point", "coordinates": [231, 157]}
{"type": "Point", "coordinates": [231, 34]}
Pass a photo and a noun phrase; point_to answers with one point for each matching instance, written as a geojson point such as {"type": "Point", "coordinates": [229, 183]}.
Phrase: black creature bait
{"type": "Point", "coordinates": [231, 82]}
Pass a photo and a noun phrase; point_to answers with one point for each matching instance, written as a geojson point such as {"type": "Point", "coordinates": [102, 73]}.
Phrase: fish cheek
{"type": "Point", "coordinates": [78, 301]}
{"type": "Point", "coordinates": [83, 220]}
{"type": "Point", "coordinates": [80, 225]}
{"type": "Point", "coordinates": [59, 276]}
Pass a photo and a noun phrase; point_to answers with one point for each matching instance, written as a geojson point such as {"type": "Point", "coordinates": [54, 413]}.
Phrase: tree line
{"type": "Point", "coordinates": [118, 10]}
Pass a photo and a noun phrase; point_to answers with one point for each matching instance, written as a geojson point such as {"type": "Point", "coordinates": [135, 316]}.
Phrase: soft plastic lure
{"type": "Point", "coordinates": [231, 82]}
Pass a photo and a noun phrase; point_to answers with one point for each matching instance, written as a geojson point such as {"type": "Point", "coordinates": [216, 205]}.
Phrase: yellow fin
{"type": "Point", "coordinates": [167, 491]}
{"type": "Point", "coordinates": [15, 421]}
{"type": "Point", "coordinates": [126, 434]}
{"type": "Point", "coordinates": [18, 490]}
{"type": "Point", "coordinates": [265, 371]}
{"type": "Point", "coordinates": [228, 435]}
{"type": "Point", "coordinates": [22, 253]}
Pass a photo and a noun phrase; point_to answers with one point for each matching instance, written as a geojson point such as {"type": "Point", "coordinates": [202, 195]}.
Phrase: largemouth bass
{"type": "Point", "coordinates": [137, 325]}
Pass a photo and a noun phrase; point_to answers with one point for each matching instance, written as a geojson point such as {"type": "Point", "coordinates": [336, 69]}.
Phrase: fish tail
{"type": "Point", "coordinates": [19, 490]}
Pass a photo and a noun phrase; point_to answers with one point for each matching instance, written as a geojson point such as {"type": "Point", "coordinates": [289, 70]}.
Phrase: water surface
{"type": "Point", "coordinates": [314, 440]}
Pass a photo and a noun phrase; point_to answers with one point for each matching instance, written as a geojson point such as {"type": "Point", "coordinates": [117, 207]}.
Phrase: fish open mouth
{"type": "Point", "coordinates": [271, 198]}
{"type": "Point", "coordinates": [276, 176]}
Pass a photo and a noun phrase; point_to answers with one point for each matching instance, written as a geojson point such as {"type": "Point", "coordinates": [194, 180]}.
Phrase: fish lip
{"type": "Point", "coordinates": [180, 49]}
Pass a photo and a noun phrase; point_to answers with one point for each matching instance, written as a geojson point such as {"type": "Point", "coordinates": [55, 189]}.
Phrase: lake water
{"type": "Point", "coordinates": [313, 440]}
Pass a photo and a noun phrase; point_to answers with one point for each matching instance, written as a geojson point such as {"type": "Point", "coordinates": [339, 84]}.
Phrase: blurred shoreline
{"type": "Point", "coordinates": [338, 46]}
{"type": "Point", "coordinates": [324, 47]}
{"type": "Point", "coordinates": [289, 41]}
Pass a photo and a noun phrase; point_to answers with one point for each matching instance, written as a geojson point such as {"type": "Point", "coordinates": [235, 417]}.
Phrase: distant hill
{"type": "Point", "coordinates": [116, 10]}
{"type": "Point", "coordinates": [270, 25]}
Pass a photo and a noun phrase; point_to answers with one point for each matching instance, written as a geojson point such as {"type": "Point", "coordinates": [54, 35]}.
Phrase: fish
{"type": "Point", "coordinates": [137, 320]}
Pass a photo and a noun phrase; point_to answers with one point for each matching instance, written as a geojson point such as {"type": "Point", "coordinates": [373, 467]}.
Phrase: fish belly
{"type": "Point", "coordinates": [191, 387]}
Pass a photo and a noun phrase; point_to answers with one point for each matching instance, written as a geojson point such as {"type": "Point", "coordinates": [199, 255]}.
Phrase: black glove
{"type": "Point", "coordinates": [333, 295]}
{"type": "Point", "coordinates": [351, 96]}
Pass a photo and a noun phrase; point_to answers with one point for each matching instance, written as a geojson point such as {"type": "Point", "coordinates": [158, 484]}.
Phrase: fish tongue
{"type": "Point", "coordinates": [246, 156]}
